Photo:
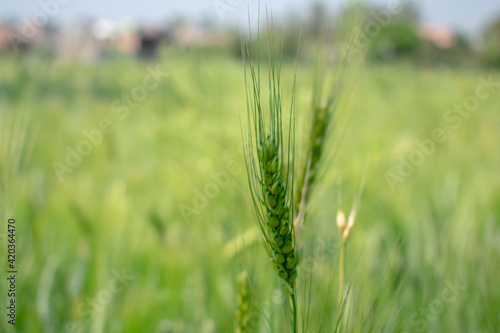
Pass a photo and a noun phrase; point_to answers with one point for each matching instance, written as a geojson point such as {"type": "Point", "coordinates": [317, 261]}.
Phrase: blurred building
{"type": "Point", "coordinates": [193, 36]}
{"type": "Point", "coordinates": [21, 37]}
{"type": "Point", "coordinates": [77, 43]}
{"type": "Point", "coordinates": [6, 29]}
{"type": "Point", "coordinates": [441, 36]}
{"type": "Point", "coordinates": [149, 40]}
{"type": "Point", "coordinates": [92, 40]}
{"type": "Point", "coordinates": [127, 41]}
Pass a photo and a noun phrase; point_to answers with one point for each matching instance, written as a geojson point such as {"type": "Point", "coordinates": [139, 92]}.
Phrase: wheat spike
{"type": "Point", "coordinates": [269, 163]}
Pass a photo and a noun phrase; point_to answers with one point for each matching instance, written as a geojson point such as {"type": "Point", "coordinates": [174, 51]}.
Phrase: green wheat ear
{"type": "Point", "coordinates": [270, 165]}
{"type": "Point", "coordinates": [333, 88]}
{"type": "Point", "coordinates": [244, 303]}
{"type": "Point", "coordinates": [314, 149]}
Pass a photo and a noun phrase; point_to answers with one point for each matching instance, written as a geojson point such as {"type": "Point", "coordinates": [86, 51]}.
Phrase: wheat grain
{"type": "Point", "coordinates": [341, 224]}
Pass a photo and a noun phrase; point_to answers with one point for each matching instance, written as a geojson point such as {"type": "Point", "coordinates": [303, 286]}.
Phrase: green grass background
{"type": "Point", "coordinates": [120, 208]}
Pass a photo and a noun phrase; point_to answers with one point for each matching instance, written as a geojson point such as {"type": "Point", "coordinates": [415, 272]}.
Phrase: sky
{"type": "Point", "coordinates": [466, 16]}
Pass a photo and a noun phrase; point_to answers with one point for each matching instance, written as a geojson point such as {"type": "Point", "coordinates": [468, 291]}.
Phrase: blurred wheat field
{"type": "Point", "coordinates": [428, 248]}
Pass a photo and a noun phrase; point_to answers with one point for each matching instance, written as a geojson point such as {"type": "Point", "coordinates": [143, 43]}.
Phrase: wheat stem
{"type": "Point", "coordinates": [342, 268]}
{"type": "Point", "coordinates": [294, 311]}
